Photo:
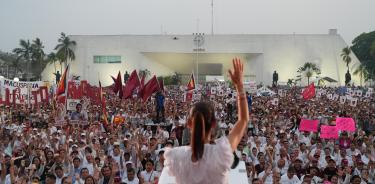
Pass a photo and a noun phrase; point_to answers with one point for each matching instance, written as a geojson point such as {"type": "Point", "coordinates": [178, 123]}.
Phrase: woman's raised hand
{"type": "Point", "coordinates": [236, 74]}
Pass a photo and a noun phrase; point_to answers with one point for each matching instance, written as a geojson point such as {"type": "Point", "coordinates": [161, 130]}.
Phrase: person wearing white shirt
{"type": "Point", "coordinates": [290, 177]}
{"type": "Point", "coordinates": [130, 179]}
{"type": "Point", "coordinates": [149, 175]}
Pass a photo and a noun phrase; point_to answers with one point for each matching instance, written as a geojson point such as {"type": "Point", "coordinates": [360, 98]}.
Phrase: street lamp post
{"type": "Point", "coordinates": [198, 41]}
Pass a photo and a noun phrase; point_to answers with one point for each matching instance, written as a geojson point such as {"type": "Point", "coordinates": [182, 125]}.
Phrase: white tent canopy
{"type": "Point", "coordinates": [265, 91]}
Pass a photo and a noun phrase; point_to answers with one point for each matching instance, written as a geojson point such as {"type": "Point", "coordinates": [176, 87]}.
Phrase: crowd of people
{"type": "Point", "coordinates": [80, 148]}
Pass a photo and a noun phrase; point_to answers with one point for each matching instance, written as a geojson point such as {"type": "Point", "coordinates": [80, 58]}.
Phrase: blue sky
{"type": "Point", "coordinates": [45, 19]}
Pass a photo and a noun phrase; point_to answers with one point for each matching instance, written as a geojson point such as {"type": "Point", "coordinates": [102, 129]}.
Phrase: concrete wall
{"type": "Point", "coordinates": [262, 53]}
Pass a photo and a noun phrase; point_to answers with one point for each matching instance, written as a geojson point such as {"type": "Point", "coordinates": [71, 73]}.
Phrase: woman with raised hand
{"type": "Point", "coordinates": [201, 162]}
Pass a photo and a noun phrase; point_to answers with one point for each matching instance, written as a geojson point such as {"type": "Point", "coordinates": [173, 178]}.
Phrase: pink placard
{"type": "Point", "coordinates": [345, 124]}
{"type": "Point", "coordinates": [329, 132]}
{"type": "Point", "coordinates": [309, 125]}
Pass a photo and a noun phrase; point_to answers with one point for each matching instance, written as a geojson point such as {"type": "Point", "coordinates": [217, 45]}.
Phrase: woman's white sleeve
{"type": "Point", "coordinates": [223, 153]}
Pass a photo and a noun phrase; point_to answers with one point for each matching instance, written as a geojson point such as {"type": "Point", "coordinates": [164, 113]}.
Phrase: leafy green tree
{"type": "Point", "coordinates": [364, 48]}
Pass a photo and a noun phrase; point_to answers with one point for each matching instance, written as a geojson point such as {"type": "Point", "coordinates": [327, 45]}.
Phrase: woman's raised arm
{"type": "Point", "coordinates": [239, 128]}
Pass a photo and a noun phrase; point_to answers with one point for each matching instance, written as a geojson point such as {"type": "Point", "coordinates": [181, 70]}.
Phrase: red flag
{"type": "Point", "coordinates": [188, 96]}
{"type": "Point", "coordinates": [102, 103]}
{"type": "Point", "coordinates": [150, 87]}
{"type": "Point", "coordinates": [115, 87]}
{"type": "Point", "coordinates": [63, 83]}
{"type": "Point", "coordinates": [140, 90]}
{"type": "Point", "coordinates": [191, 84]}
{"type": "Point", "coordinates": [118, 85]}
{"type": "Point", "coordinates": [309, 92]}
{"type": "Point", "coordinates": [131, 85]}
{"type": "Point", "coordinates": [143, 81]}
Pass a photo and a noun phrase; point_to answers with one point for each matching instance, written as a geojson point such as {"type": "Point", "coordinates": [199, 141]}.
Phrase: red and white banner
{"type": "Point", "coordinates": [22, 92]}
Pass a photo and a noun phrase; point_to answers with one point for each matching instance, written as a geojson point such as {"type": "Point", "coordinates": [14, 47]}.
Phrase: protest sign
{"type": "Point", "coordinates": [252, 87]}
{"type": "Point", "coordinates": [335, 97]}
{"type": "Point", "coordinates": [345, 124]}
{"type": "Point", "coordinates": [353, 102]}
{"type": "Point", "coordinates": [319, 94]}
{"type": "Point", "coordinates": [330, 96]}
{"type": "Point", "coordinates": [342, 99]}
{"type": "Point", "coordinates": [23, 92]}
{"type": "Point", "coordinates": [220, 93]}
{"type": "Point", "coordinates": [275, 101]}
{"type": "Point", "coordinates": [352, 93]}
{"type": "Point", "coordinates": [213, 90]}
{"type": "Point", "coordinates": [358, 93]}
{"type": "Point", "coordinates": [329, 132]}
{"type": "Point", "coordinates": [71, 104]}
{"type": "Point", "coordinates": [309, 125]}
{"type": "Point", "coordinates": [368, 94]}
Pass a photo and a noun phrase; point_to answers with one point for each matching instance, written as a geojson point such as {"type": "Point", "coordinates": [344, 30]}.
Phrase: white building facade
{"type": "Point", "coordinates": [100, 56]}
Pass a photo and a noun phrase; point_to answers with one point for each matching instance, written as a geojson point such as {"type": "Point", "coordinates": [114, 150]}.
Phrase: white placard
{"type": "Point", "coordinates": [252, 87]}
{"type": "Point", "coordinates": [335, 97]}
{"type": "Point", "coordinates": [342, 99]}
{"type": "Point", "coordinates": [213, 90]}
{"type": "Point", "coordinates": [368, 94]}
{"type": "Point", "coordinates": [329, 96]}
{"type": "Point", "coordinates": [319, 94]}
{"type": "Point", "coordinates": [71, 104]}
{"type": "Point", "coordinates": [358, 93]}
{"type": "Point", "coordinates": [353, 102]}
{"type": "Point", "coordinates": [275, 101]}
{"type": "Point", "coordinates": [220, 93]}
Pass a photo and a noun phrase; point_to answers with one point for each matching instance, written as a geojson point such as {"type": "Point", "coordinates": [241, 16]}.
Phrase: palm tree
{"type": "Point", "coordinates": [38, 53]}
{"type": "Point", "coordinates": [52, 58]}
{"type": "Point", "coordinates": [308, 70]}
{"type": "Point", "coordinates": [64, 50]}
{"type": "Point", "coordinates": [25, 52]}
{"type": "Point", "coordinates": [291, 82]}
{"type": "Point", "coordinates": [38, 57]}
{"type": "Point", "coordinates": [362, 71]}
{"type": "Point", "coordinates": [345, 54]}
